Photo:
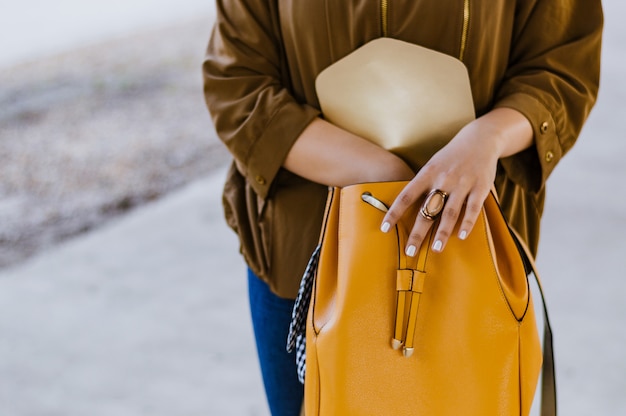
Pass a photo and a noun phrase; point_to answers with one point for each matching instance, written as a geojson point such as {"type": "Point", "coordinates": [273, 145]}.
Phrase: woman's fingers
{"type": "Point", "coordinates": [413, 194]}
{"type": "Point", "coordinates": [449, 217]}
{"type": "Point", "coordinates": [410, 195]}
{"type": "Point", "coordinates": [456, 203]}
{"type": "Point", "coordinates": [473, 207]}
{"type": "Point", "coordinates": [418, 235]}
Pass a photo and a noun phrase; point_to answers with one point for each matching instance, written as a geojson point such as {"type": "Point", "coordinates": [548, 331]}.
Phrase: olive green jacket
{"type": "Point", "coordinates": [540, 57]}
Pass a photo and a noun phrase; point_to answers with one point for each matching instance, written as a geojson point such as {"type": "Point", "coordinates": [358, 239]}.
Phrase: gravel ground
{"type": "Point", "coordinates": [88, 135]}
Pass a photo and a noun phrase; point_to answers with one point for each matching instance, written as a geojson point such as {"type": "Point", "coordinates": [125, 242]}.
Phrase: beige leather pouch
{"type": "Point", "coordinates": [406, 98]}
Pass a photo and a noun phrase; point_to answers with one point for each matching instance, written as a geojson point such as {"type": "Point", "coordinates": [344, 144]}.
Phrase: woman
{"type": "Point", "coordinates": [534, 69]}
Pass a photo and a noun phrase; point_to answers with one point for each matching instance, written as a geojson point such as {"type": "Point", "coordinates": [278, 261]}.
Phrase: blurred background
{"type": "Point", "coordinates": [121, 290]}
{"type": "Point", "coordinates": [101, 110]}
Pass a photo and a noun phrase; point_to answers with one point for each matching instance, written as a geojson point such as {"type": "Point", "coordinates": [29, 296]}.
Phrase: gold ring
{"type": "Point", "coordinates": [433, 204]}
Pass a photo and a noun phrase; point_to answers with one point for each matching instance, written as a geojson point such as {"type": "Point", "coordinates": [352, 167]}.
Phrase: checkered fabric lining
{"type": "Point", "coordinates": [297, 328]}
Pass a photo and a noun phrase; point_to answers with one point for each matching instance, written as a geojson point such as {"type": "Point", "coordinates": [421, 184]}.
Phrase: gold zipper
{"type": "Point", "coordinates": [384, 9]}
{"type": "Point", "coordinates": [466, 21]}
{"type": "Point", "coordinates": [384, 5]}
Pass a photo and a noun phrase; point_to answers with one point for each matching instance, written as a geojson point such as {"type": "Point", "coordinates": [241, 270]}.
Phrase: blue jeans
{"type": "Point", "coordinates": [271, 316]}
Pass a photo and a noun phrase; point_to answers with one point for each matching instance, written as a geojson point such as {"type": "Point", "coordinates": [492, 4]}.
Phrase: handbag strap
{"type": "Point", "coordinates": [548, 374]}
{"type": "Point", "coordinates": [548, 379]}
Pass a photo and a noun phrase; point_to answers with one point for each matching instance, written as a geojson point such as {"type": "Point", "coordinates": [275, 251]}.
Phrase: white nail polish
{"type": "Point", "coordinates": [410, 251]}
{"type": "Point", "coordinates": [385, 227]}
{"type": "Point", "coordinates": [438, 245]}
{"type": "Point", "coordinates": [463, 235]}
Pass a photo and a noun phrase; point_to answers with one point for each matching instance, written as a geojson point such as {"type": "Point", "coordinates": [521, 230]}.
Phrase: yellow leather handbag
{"type": "Point", "coordinates": [440, 334]}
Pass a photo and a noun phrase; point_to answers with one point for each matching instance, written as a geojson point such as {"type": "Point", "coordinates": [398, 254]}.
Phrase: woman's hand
{"type": "Point", "coordinates": [465, 170]}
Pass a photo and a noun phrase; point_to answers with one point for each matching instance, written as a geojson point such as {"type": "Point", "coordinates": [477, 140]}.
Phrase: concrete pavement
{"type": "Point", "coordinates": [147, 316]}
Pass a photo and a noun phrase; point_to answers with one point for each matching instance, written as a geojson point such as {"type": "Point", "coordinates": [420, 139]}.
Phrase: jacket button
{"type": "Point", "coordinates": [549, 156]}
{"type": "Point", "coordinates": [544, 127]}
{"type": "Point", "coordinates": [260, 180]}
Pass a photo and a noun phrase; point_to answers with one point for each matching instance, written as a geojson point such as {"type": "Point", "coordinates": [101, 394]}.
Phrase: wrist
{"type": "Point", "coordinates": [508, 130]}
{"type": "Point", "coordinates": [385, 167]}
{"type": "Point", "coordinates": [397, 170]}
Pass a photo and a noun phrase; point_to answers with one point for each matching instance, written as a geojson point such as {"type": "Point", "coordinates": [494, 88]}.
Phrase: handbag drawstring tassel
{"type": "Point", "coordinates": [404, 281]}
{"type": "Point", "coordinates": [410, 285]}
{"type": "Point", "coordinates": [417, 287]}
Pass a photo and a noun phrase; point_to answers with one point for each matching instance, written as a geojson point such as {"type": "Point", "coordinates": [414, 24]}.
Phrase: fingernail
{"type": "Point", "coordinates": [385, 227]}
{"type": "Point", "coordinates": [463, 235]}
{"type": "Point", "coordinates": [438, 245]}
{"type": "Point", "coordinates": [410, 251]}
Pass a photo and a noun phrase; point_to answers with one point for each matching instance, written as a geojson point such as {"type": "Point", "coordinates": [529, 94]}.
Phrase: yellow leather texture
{"type": "Point", "coordinates": [406, 98]}
{"type": "Point", "coordinates": [476, 350]}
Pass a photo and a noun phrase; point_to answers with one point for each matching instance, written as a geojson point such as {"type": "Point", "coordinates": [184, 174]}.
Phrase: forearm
{"type": "Point", "coordinates": [327, 154]}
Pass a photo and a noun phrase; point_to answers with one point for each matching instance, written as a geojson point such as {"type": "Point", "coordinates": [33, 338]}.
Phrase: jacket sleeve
{"type": "Point", "coordinates": [244, 87]}
{"type": "Point", "coordinates": [552, 78]}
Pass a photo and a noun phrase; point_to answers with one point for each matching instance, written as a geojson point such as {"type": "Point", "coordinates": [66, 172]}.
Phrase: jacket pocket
{"type": "Point", "coordinates": [248, 215]}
